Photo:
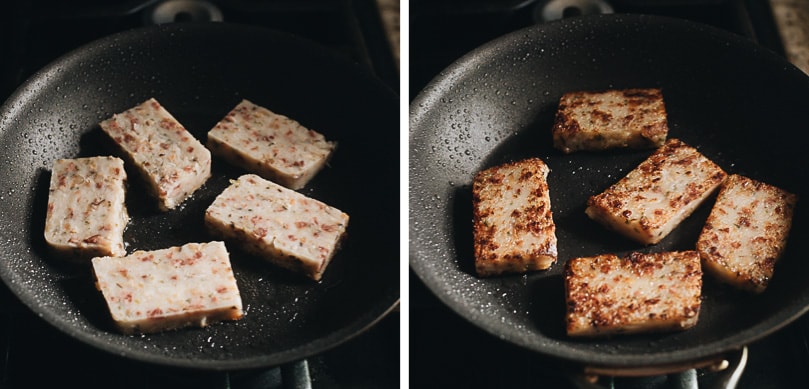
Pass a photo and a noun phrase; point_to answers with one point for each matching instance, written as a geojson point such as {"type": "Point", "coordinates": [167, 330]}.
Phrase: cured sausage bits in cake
{"type": "Point", "coordinates": [746, 232]}
{"type": "Point", "coordinates": [513, 224]}
{"type": "Point", "coordinates": [86, 214]}
{"type": "Point", "coordinates": [279, 224]}
{"type": "Point", "coordinates": [159, 290]}
{"type": "Point", "coordinates": [271, 145]}
{"type": "Point", "coordinates": [172, 162]}
{"type": "Point", "coordinates": [652, 199]}
{"type": "Point", "coordinates": [608, 295]}
{"type": "Point", "coordinates": [600, 120]}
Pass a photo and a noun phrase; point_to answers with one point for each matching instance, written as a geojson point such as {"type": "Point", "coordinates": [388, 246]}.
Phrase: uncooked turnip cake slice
{"type": "Point", "coordinates": [159, 290]}
{"type": "Point", "coordinates": [279, 224]}
{"type": "Point", "coordinates": [172, 162]}
{"type": "Point", "coordinates": [271, 145]}
{"type": "Point", "coordinates": [87, 214]}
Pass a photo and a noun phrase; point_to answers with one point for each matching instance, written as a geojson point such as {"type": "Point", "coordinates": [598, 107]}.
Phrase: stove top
{"type": "Point", "coordinates": [38, 31]}
{"type": "Point", "coordinates": [34, 33]}
{"type": "Point", "coordinates": [448, 351]}
{"type": "Point", "coordinates": [444, 30]}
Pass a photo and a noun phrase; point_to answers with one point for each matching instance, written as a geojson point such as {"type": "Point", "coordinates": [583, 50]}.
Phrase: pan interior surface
{"type": "Point", "coordinates": [737, 103]}
{"type": "Point", "coordinates": [199, 72]}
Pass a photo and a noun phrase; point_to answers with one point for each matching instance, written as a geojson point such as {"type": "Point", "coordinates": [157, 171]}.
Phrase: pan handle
{"type": "Point", "coordinates": [729, 367]}
{"type": "Point", "coordinates": [295, 375]}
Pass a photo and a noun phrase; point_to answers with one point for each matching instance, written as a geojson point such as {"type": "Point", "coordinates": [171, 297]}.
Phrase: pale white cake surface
{"type": "Point", "coordinates": [271, 145]}
{"type": "Point", "coordinates": [286, 227]}
{"type": "Point", "coordinates": [157, 290]}
{"type": "Point", "coordinates": [87, 212]}
{"type": "Point", "coordinates": [173, 163]}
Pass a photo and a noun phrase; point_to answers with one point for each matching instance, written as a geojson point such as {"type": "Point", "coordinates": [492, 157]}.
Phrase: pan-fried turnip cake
{"type": "Point", "coordinates": [87, 214]}
{"type": "Point", "coordinates": [172, 162]}
{"type": "Point", "coordinates": [281, 225]}
{"type": "Point", "coordinates": [271, 145]}
{"type": "Point", "coordinates": [184, 286]}
{"type": "Point", "coordinates": [513, 225]}
{"type": "Point", "coordinates": [652, 199]}
{"type": "Point", "coordinates": [608, 295]}
{"type": "Point", "coordinates": [746, 232]}
{"type": "Point", "coordinates": [600, 120]}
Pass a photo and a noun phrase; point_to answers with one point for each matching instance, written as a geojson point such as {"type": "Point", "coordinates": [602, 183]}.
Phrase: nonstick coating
{"type": "Point", "coordinates": [740, 105]}
{"type": "Point", "coordinates": [199, 72]}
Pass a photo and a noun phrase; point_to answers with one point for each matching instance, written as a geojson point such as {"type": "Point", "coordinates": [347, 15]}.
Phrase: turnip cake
{"type": "Point", "coordinates": [172, 162]}
{"type": "Point", "coordinates": [271, 145]}
{"type": "Point", "coordinates": [159, 290]}
{"type": "Point", "coordinates": [281, 225]}
{"type": "Point", "coordinates": [608, 295]}
{"type": "Point", "coordinates": [600, 120]}
{"type": "Point", "coordinates": [663, 190]}
{"type": "Point", "coordinates": [87, 214]}
{"type": "Point", "coordinates": [513, 224]}
{"type": "Point", "coordinates": [746, 232]}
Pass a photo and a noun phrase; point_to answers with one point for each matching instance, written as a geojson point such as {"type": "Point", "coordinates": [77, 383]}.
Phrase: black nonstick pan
{"type": "Point", "coordinates": [739, 104]}
{"type": "Point", "coordinates": [198, 72]}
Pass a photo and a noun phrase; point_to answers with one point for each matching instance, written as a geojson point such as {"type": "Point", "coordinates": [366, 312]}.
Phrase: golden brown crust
{"type": "Point", "coordinates": [652, 199]}
{"type": "Point", "coordinates": [607, 294]}
{"type": "Point", "coordinates": [600, 120]}
{"type": "Point", "coordinates": [746, 232]}
{"type": "Point", "coordinates": [512, 221]}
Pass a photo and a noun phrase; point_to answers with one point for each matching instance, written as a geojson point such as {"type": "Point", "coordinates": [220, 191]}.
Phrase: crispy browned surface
{"type": "Point", "coordinates": [599, 120]}
{"type": "Point", "coordinates": [746, 232]}
{"type": "Point", "coordinates": [606, 294]}
{"type": "Point", "coordinates": [652, 199]}
{"type": "Point", "coordinates": [513, 223]}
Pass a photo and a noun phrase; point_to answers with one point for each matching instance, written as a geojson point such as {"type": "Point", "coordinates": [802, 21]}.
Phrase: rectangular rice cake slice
{"type": "Point", "coordinates": [191, 285]}
{"type": "Point", "coordinates": [663, 190]}
{"type": "Point", "coordinates": [600, 120]}
{"type": "Point", "coordinates": [638, 293]}
{"type": "Point", "coordinates": [87, 213]}
{"type": "Point", "coordinates": [171, 161]}
{"type": "Point", "coordinates": [746, 232]}
{"type": "Point", "coordinates": [271, 145]}
{"type": "Point", "coordinates": [513, 225]}
{"type": "Point", "coordinates": [287, 228]}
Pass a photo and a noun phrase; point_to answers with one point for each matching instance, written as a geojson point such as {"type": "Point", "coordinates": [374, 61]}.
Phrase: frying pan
{"type": "Point", "coordinates": [199, 72]}
{"type": "Point", "coordinates": [736, 102]}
